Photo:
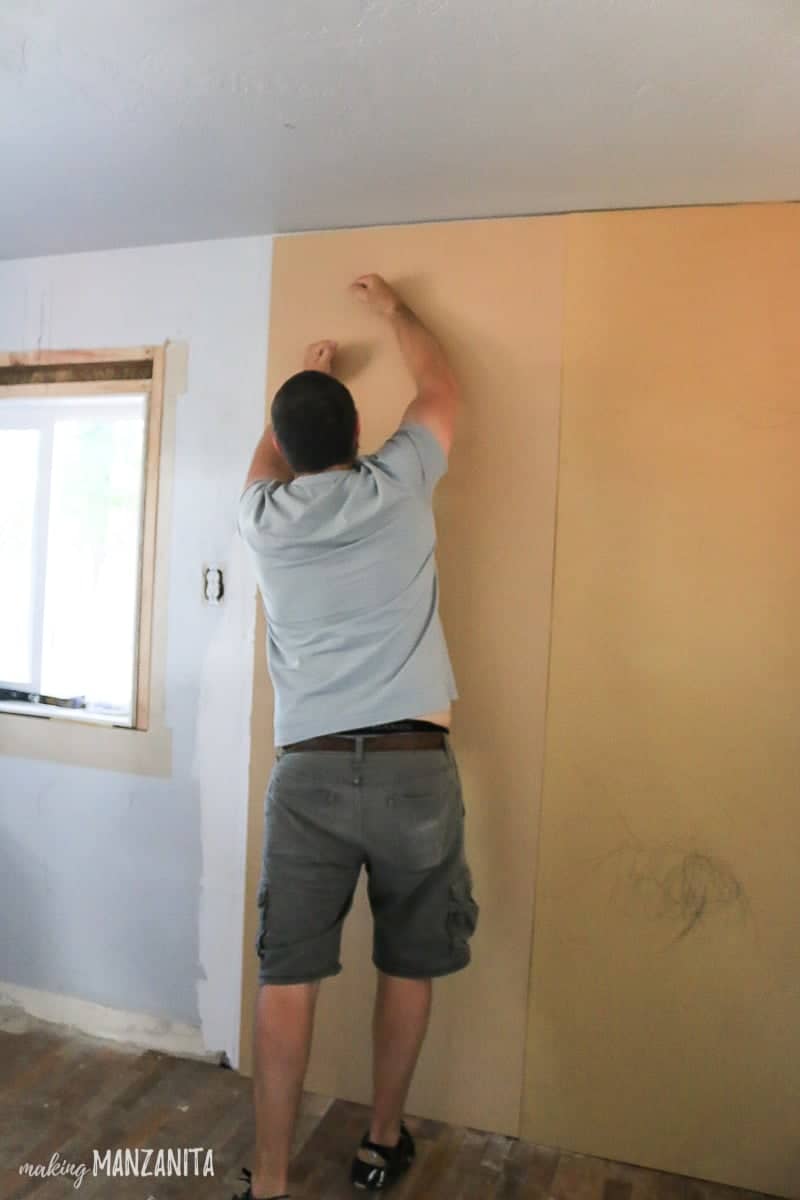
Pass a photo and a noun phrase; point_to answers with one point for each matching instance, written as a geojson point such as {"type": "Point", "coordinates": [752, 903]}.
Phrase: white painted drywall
{"type": "Point", "coordinates": [123, 124]}
{"type": "Point", "coordinates": [122, 890]}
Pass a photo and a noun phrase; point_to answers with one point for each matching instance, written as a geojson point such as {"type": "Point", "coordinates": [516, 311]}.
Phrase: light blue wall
{"type": "Point", "coordinates": [99, 883]}
{"type": "Point", "coordinates": [121, 889]}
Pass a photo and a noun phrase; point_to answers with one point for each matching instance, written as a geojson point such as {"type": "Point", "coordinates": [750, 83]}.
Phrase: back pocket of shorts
{"type": "Point", "coordinates": [420, 823]}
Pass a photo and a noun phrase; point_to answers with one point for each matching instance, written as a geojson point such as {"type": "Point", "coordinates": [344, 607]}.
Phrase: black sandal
{"type": "Point", "coordinates": [376, 1167]}
{"type": "Point", "coordinates": [248, 1193]}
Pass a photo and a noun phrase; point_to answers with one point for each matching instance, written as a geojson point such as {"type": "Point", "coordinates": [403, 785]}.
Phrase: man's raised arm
{"type": "Point", "coordinates": [268, 462]}
{"type": "Point", "coordinates": [436, 402]}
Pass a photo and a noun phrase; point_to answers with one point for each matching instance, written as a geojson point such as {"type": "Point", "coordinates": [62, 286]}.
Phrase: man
{"type": "Point", "coordinates": [343, 549]}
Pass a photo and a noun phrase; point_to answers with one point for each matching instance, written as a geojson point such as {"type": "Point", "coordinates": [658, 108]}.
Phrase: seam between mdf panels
{"type": "Point", "coordinates": [568, 221]}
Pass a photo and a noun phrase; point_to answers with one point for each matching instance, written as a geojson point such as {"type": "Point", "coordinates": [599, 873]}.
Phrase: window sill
{"type": "Point", "coordinates": [81, 743]}
{"type": "Point", "coordinates": [53, 712]}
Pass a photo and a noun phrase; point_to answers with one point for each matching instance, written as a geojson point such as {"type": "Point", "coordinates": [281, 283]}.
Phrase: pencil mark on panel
{"type": "Point", "coordinates": [675, 882]}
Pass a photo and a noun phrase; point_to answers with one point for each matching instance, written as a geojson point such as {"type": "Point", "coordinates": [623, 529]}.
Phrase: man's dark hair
{"type": "Point", "coordinates": [314, 419]}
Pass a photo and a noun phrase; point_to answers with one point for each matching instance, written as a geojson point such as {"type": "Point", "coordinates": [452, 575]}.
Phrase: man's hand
{"type": "Point", "coordinates": [319, 357]}
{"type": "Point", "coordinates": [374, 291]}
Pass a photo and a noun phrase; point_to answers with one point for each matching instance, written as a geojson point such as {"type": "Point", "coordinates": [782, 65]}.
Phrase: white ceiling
{"type": "Point", "coordinates": [124, 122]}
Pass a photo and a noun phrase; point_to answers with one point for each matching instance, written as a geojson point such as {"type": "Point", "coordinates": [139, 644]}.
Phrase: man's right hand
{"type": "Point", "coordinates": [374, 291]}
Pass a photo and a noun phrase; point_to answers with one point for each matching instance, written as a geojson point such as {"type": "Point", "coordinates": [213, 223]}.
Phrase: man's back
{"type": "Point", "coordinates": [346, 568]}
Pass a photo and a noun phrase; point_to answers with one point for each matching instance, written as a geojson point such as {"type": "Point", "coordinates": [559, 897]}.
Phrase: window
{"type": "Point", "coordinates": [79, 448]}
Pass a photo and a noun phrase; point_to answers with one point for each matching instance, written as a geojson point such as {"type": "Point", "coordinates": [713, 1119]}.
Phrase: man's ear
{"type": "Point", "coordinates": [276, 444]}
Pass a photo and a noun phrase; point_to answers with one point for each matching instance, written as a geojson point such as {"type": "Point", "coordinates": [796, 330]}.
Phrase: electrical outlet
{"type": "Point", "coordinates": [213, 585]}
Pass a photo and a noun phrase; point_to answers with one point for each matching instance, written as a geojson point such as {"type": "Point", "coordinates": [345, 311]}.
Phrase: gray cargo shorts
{"type": "Point", "coordinates": [399, 813]}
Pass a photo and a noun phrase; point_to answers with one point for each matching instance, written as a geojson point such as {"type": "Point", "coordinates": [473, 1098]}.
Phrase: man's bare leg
{"type": "Point", "coordinates": [283, 1030]}
{"type": "Point", "coordinates": [400, 1022]}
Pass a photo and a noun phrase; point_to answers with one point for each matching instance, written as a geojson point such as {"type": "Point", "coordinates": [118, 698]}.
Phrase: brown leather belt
{"type": "Point", "coordinates": [411, 740]}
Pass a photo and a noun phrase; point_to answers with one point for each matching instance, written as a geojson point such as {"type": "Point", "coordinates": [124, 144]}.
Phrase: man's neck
{"type": "Point", "coordinates": [348, 466]}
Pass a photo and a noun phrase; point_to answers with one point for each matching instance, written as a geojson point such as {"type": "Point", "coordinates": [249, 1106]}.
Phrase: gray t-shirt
{"type": "Point", "coordinates": [345, 564]}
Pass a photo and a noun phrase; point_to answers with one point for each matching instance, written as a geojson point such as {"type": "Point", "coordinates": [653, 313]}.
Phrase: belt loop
{"type": "Point", "coordinates": [448, 749]}
{"type": "Point", "coordinates": [359, 760]}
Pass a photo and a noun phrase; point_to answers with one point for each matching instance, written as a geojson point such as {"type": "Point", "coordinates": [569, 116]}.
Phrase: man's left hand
{"type": "Point", "coordinates": [319, 357]}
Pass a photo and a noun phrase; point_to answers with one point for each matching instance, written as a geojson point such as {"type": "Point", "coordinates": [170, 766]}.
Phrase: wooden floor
{"type": "Point", "coordinates": [67, 1096]}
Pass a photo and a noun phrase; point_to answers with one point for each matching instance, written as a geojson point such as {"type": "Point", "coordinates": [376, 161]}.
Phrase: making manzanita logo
{"type": "Point", "coordinates": [182, 1162]}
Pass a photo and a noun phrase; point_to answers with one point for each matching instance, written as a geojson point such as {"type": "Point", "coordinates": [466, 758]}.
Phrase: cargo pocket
{"type": "Point", "coordinates": [463, 911]}
{"type": "Point", "coordinates": [262, 901]}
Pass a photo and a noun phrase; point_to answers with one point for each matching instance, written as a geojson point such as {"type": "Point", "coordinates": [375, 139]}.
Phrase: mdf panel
{"type": "Point", "coordinates": [492, 291]}
{"type": "Point", "coordinates": [665, 978]}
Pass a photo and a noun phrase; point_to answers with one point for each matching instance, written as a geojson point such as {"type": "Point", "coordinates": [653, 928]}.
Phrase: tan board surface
{"type": "Point", "coordinates": [492, 291]}
{"type": "Point", "coordinates": [666, 976]}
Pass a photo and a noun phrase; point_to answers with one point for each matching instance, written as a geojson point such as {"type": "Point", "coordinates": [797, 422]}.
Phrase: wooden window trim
{"type": "Point", "coordinates": [20, 375]}
{"type": "Point", "coordinates": [155, 414]}
{"type": "Point", "coordinates": [39, 358]}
